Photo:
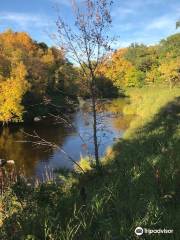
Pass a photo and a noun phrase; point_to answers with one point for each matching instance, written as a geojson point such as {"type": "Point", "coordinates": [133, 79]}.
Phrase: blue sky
{"type": "Point", "coordinates": [142, 21]}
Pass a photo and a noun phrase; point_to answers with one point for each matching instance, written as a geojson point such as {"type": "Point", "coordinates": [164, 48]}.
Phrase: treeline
{"type": "Point", "coordinates": [140, 65]}
{"type": "Point", "coordinates": [35, 78]}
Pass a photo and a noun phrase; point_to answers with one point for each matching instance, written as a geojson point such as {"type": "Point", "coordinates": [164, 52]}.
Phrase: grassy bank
{"type": "Point", "coordinates": [146, 102]}
{"type": "Point", "coordinates": [138, 187]}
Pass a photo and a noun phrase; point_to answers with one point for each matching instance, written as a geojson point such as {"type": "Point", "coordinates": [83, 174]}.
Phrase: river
{"type": "Point", "coordinates": [34, 160]}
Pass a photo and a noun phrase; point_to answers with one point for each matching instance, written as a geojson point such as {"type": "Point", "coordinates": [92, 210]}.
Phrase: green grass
{"type": "Point", "coordinates": [138, 187]}
{"type": "Point", "coordinates": [146, 102]}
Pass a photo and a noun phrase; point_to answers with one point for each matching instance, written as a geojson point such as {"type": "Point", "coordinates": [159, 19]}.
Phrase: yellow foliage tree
{"type": "Point", "coordinates": [116, 68]}
{"type": "Point", "coordinates": [48, 58]}
{"type": "Point", "coordinates": [153, 76]}
{"type": "Point", "coordinates": [16, 40]}
{"type": "Point", "coordinates": [171, 71]}
{"type": "Point", "coordinates": [12, 90]}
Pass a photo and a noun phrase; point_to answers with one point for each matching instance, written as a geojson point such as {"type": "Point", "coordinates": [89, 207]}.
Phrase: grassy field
{"type": "Point", "coordinates": [139, 184]}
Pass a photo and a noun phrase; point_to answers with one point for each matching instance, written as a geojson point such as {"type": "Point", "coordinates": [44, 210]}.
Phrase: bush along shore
{"type": "Point", "coordinates": [138, 184]}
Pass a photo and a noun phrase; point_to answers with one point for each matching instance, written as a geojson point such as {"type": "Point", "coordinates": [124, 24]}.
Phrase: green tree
{"type": "Point", "coordinates": [170, 47]}
{"type": "Point", "coordinates": [134, 78]}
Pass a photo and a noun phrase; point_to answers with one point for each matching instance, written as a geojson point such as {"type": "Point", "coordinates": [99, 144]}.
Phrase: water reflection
{"type": "Point", "coordinates": [25, 155]}
{"type": "Point", "coordinates": [34, 160]}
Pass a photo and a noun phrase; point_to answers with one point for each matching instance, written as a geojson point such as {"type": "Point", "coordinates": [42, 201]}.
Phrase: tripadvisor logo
{"type": "Point", "coordinates": [139, 231]}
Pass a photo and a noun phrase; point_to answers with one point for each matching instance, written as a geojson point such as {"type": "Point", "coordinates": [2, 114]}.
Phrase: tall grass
{"type": "Point", "coordinates": [146, 102]}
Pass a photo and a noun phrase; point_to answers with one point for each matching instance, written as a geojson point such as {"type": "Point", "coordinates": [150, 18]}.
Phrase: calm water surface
{"type": "Point", "coordinates": [35, 160]}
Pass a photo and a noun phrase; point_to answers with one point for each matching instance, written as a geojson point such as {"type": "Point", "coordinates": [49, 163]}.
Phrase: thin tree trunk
{"type": "Point", "coordinates": [96, 149]}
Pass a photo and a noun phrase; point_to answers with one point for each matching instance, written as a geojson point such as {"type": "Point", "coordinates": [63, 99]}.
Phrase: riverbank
{"type": "Point", "coordinates": [15, 140]}
{"type": "Point", "coordinates": [138, 185]}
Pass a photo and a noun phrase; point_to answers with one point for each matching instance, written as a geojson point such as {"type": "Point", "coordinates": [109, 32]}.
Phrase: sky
{"type": "Point", "coordinates": [140, 21]}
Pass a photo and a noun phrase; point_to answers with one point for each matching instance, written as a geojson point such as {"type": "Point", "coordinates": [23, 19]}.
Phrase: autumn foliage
{"type": "Point", "coordinates": [139, 65]}
{"type": "Point", "coordinates": [31, 72]}
{"type": "Point", "coordinates": [28, 72]}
